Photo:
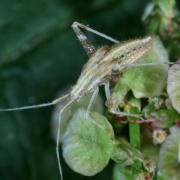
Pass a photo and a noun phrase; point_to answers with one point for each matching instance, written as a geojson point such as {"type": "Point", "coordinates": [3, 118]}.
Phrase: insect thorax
{"type": "Point", "coordinates": [107, 61]}
{"type": "Point", "coordinates": [91, 74]}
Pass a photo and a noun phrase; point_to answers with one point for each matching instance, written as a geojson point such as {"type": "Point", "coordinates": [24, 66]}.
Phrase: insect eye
{"type": "Point", "coordinates": [121, 56]}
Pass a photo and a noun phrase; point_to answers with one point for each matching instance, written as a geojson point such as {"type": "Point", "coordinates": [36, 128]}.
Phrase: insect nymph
{"type": "Point", "coordinates": [103, 66]}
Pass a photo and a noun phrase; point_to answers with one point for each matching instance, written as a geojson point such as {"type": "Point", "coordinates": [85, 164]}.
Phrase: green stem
{"type": "Point", "coordinates": [134, 128]}
{"type": "Point", "coordinates": [134, 135]}
{"type": "Point", "coordinates": [134, 138]}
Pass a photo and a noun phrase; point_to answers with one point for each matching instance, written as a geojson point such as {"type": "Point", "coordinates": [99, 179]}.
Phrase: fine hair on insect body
{"type": "Point", "coordinates": [104, 65]}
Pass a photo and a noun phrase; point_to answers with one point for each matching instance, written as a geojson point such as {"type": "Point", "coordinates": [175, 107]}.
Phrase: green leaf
{"type": "Point", "coordinates": [124, 154]}
{"type": "Point", "coordinates": [119, 93]}
{"type": "Point", "coordinates": [159, 109]}
{"type": "Point", "coordinates": [167, 7]}
{"type": "Point", "coordinates": [88, 143]}
{"type": "Point", "coordinates": [168, 117]}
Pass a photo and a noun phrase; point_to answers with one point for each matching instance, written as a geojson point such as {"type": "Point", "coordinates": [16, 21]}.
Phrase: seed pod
{"type": "Point", "coordinates": [121, 173]}
{"type": "Point", "coordinates": [169, 160]}
{"type": "Point", "coordinates": [149, 81]}
{"type": "Point", "coordinates": [173, 86]}
{"type": "Point", "coordinates": [69, 111]}
{"type": "Point", "coordinates": [144, 81]}
{"type": "Point", "coordinates": [88, 143]}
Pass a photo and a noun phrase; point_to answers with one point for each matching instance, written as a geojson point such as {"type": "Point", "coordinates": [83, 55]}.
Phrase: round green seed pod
{"type": "Point", "coordinates": [122, 173]}
{"type": "Point", "coordinates": [144, 81]}
{"type": "Point", "coordinates": [149, 81]}
{"type": "Point", "coordinates": [88, 143]}
{"type": "Point", "coordinates": [173, 86]}
{"type": "Point", "coordinates": [169, 160]}
{"type": "Point", "coordinates": [69, 111]}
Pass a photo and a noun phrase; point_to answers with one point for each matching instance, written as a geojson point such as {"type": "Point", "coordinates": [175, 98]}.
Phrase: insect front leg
{"type": "Point", "coordinates": [93, 97]}
{"type": "Point", "coordinates": [87, 28]}
{"type": "Point", "coordinates": [107, 91]}
{"type": "Point", "coordinates": [87, 45]}
{"type": "Point", "coordinates": [58, 137]}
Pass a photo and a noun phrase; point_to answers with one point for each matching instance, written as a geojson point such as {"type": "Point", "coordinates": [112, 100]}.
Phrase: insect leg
{"type": "Point", "coordinates": [58, 138]}
{"type": "Point", "coordinates": [112, 110]}
{"type": "Point", "coordinates": [36, 105]}
{"type": "Point", "coordinates": [94, 95]}
{"type": "Point", "coordinates": [77, 24]}
{"type": "Point", "coordinates": [107, 91]}
{"type": "Point", "coordinates": [87, 45]}
{"type": "Point", "coordinates": [121, 114]}
{"type": "Point", "coordinates": [118, 113]}
{"type": "Point", "coordinates": [141, 121]}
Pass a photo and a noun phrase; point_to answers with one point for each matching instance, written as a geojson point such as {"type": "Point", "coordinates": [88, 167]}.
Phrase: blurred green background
{"type": "Point", "coordinates": [39, 56]}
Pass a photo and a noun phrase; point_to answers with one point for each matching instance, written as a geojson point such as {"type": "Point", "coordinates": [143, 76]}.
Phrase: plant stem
{"type": "Point", "coordinates": [134, 135]}
{"type": "Point", "coordinates": [134, 138]}
{"type": "Point", "coordinates": [134, 131]}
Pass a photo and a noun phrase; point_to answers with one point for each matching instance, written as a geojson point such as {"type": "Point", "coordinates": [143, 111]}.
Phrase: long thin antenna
{"type": "Point", "coordinates": [36, 105]}
{"type": "Point", "coordinates": [58, 138]}
{"type": "Point", "coordinates": [149, 64]}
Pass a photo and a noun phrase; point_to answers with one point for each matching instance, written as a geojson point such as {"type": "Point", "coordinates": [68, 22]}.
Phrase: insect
{"type": "Point", "coordinates": [103, 66]}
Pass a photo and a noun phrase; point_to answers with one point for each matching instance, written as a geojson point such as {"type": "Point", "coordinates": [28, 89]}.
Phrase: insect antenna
{"type": "Point", "coordinates": [58, 136]}
{"type": "Point", "coordinates": [149, 64]}
{"type": "Point", "coordinates": [36, 105]}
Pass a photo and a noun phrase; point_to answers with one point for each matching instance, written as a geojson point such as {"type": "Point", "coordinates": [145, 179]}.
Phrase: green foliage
{"type": "Point", "coordinates": [124, 154]}
{"type": "Point", "coordinates": [122, 173]}
{"type": "Point", "coordinates": [170, 156]}
{"type": "Point", "coordinates": [148, 81]}
{"type": "Point", "coordinates": [40, 56]}
{"type": "Point", "coordinates": [162, 17]}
